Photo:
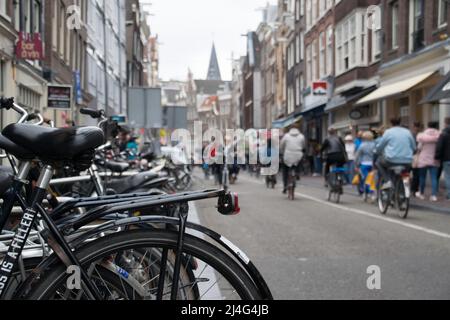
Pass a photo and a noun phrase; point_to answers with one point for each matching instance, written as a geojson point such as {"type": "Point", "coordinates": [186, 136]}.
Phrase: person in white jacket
{"type": "Point", "coordinates": [292, 149]}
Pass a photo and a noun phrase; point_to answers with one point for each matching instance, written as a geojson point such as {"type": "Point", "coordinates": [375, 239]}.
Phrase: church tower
{"type": "Point", "coordinates": [214, 69]}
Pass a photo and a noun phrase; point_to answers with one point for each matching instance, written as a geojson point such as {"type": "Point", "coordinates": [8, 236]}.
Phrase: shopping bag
{"type": "Point", "coordinates": [356, 180]}
{"type": "Point", "coordinates": [370, 181]}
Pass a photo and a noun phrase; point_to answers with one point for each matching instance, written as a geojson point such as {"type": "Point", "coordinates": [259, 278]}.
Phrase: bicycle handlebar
{"type": "Point", "coordinates": [93, 113]}
{"type": "Point", "coordinates": [6, 103]}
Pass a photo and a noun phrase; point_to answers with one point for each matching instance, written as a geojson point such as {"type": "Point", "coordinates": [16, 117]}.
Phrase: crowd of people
{"type": "Point", "coordinates": [425, 152]}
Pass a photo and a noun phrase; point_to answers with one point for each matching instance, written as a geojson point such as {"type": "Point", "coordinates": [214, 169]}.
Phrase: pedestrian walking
{"type": "Point", "coordinates": [350, 148]}
{"type": "Point", "coordinates": [443, 154]}
{"type": "Point", "coordinates": [418, 127]}
{"type": "Point", "coordinates": [364, 160]}
{"type": "Point", "coordinates": [426, 162]}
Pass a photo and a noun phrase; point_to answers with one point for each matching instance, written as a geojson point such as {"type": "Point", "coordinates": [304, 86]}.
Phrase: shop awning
{"type": "Point", "coordinates": [392, 89]}
{"type": "Point", "coordinates": [439, 92]}
{"type": "Point", "coordinates": [340, 100]}
{"type": "Point", "coordinates": [286, 122]}
{"type": "Point", "coordinates": [315, 109]}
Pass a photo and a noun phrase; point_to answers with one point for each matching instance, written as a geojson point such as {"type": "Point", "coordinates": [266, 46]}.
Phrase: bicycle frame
{"type": "Point", "coordinates": [31, 208]}
{"type": "Point", "coordinates": [109, 205]}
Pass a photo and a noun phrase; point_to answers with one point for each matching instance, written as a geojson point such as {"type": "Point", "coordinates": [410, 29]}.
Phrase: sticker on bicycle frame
{"type": "Point", "coordinates": [236, 250]}
{"type": "Point", "coordinates": [122, 272]}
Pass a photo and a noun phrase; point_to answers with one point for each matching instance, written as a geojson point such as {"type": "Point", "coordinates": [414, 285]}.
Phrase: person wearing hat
{"type": "Point", "coordinates": [350, 148]}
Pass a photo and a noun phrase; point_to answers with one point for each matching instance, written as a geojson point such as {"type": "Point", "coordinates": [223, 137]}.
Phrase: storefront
{"type": "Point", "coordinates": [405, 84]}
{"type": "Point", "coordinates": [345, 117]}
{"type": "Point", "coordinates": [402, 99]}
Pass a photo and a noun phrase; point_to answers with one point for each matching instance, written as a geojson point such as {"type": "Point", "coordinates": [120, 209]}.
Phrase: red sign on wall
{"type": "Point", "coordinates": [29, 46]}
{"type": "Point", "coordinates": [320, 88]}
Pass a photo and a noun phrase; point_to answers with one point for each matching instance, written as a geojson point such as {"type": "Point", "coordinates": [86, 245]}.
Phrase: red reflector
{"type": "Point", "coordinates": [237, 210]}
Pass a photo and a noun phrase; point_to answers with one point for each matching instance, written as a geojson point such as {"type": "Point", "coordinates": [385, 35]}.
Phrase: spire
{"type": "Point", "coordinates": [214, 69]}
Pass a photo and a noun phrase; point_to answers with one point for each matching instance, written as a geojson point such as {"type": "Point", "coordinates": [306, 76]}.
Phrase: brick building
{"type": "Point", "coordinates": [319, 66]}
{"type": "Point", "coordinates": [415, 57]}
{"type": "Point", "coordinates": [357, 58]}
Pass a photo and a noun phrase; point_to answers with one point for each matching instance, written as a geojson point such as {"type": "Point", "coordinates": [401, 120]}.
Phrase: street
{"type": "Point", "coordinates": [313, 249]}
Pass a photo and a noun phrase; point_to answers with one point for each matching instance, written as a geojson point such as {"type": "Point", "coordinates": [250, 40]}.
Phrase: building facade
{"type": "Point", "coordinates": [415, 57]}
{"type": "Point", "coordinates": [19, 77]}
{"type": "Point", "coordinates": [358, 50]}
{"type": "Point", "coordinates": [319, 67]}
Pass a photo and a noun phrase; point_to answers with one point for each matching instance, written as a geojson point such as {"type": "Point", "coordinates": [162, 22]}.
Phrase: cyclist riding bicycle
{"type": "Point", "coordinates": [336, 155]}
{"type": "Point", "coordinates": [395, 148]}
{"type": "Point", "coordinates": [292, 148]}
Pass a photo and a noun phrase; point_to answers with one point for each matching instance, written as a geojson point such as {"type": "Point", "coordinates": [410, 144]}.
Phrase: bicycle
{"type": "Point", "coordinates": [336, 181]}
{"type": "Point", "coordinates": [115, 257]}
{"type": "Point", "coordinates": [396, 192]}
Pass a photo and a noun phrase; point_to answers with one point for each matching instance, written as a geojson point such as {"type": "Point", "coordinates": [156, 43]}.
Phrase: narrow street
{"type": "Point", "coordinates": [312, 249]}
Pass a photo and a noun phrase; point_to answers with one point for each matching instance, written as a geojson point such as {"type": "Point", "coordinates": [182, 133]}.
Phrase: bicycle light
{"type": "Point", "coordinates": [228, 204]}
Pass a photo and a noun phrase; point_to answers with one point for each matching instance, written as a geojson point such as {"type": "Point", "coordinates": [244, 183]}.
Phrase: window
{"type": "Point", "coordinates": [297, 91]}
{"type": "Point", "coordinates": [309, 65]}
{"type": "Point", "coordinates": [297, 49]}
{"type": "Point", "coordinates": [302, 8]}
{"type": "Point", "coordinates": [322, 5]}
{"type": "Point", "coordinates": [28, 98]}
{"type": "Point", "coordinates": [55, 26]}
{"type": "Point", "coordinates": [352, 30]}
{"type": "Point", "coordinates": [297, 10]}
{"type": "Point", "coordinates": [301, 88]}
{"type": "Point", "coordinates": [376, 38]}
{"type": "Point", "coordinates": [395, 25]}
{"type": "Point", "coordinates": [36, 28]}
{"type": "Point", "coordinates": [442, 13]}
{"type": "Point", "coordinates": [339, 49]}
{"type": "Point", "coordinates": [351, 43]}
{"type": "Point", "coordinates": [418, 24]}
{"type": "Point", "coordinates": [314, 11]}
{"type": "Point", "coordinates": [3, 7]}
{"type": "Point", "coordinates": [308, 14]}
{"type": "Point", "coordinates": [302, 46]}
{"type": "Point", "coordinates": [62, 28]}
{"type": "Point", "coordinates": [435, 113]}
{"type": "Point", "coordinates": [322, 62]}
{"type": "Point", "coordinates": [329, 64]}
{"type": "Point", "coordinates": [314, 60]}
{"type": "Point", "coordinates": [363, 39]}
{"type": "Point", "coordinates": [67, 49]}
{"type": "Point", "coordinates": [291, 106]}
{"type": "Point", "coordinates": [2, 75]}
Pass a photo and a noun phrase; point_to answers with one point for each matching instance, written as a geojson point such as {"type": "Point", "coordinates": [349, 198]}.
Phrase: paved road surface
{"type": "Point", "coordinates": [312, 249]}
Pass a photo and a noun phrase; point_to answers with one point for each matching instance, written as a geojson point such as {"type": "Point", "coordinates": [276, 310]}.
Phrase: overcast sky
{"type": "Point", "coordinates": [187, 28]}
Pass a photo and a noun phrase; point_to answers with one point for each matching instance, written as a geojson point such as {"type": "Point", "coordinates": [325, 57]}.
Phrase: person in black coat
{"type": "Point", "coordinates": [443, 154]}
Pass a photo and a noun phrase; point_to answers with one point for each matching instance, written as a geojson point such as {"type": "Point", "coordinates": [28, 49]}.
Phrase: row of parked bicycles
{"type": "Point", "coordinates": [79, 223]}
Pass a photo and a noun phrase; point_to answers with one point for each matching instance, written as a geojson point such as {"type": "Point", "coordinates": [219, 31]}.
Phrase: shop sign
{"type": "Point", "coordinates": [356, 114]}
{"type": "Point", "coordinates": [59, 97]}
{"type": "Point", "coordinates": [29, 47]}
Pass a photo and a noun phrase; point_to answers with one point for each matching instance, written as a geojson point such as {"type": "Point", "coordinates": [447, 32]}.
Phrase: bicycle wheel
{"type": "Point", "coordinates": [384, 198]}
{"type": "Point", "coordinates": [401, 201]}
{"type": "Point", "coordinates": [224, 280]}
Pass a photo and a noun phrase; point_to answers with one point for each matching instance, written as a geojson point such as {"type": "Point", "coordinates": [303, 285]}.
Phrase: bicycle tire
{"type": "Point", "coordinates": [383, 206]}
{"type": "Point", "coordinates": [400, 192]}
{"type": "Point", "coordinates": [220, 261]}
